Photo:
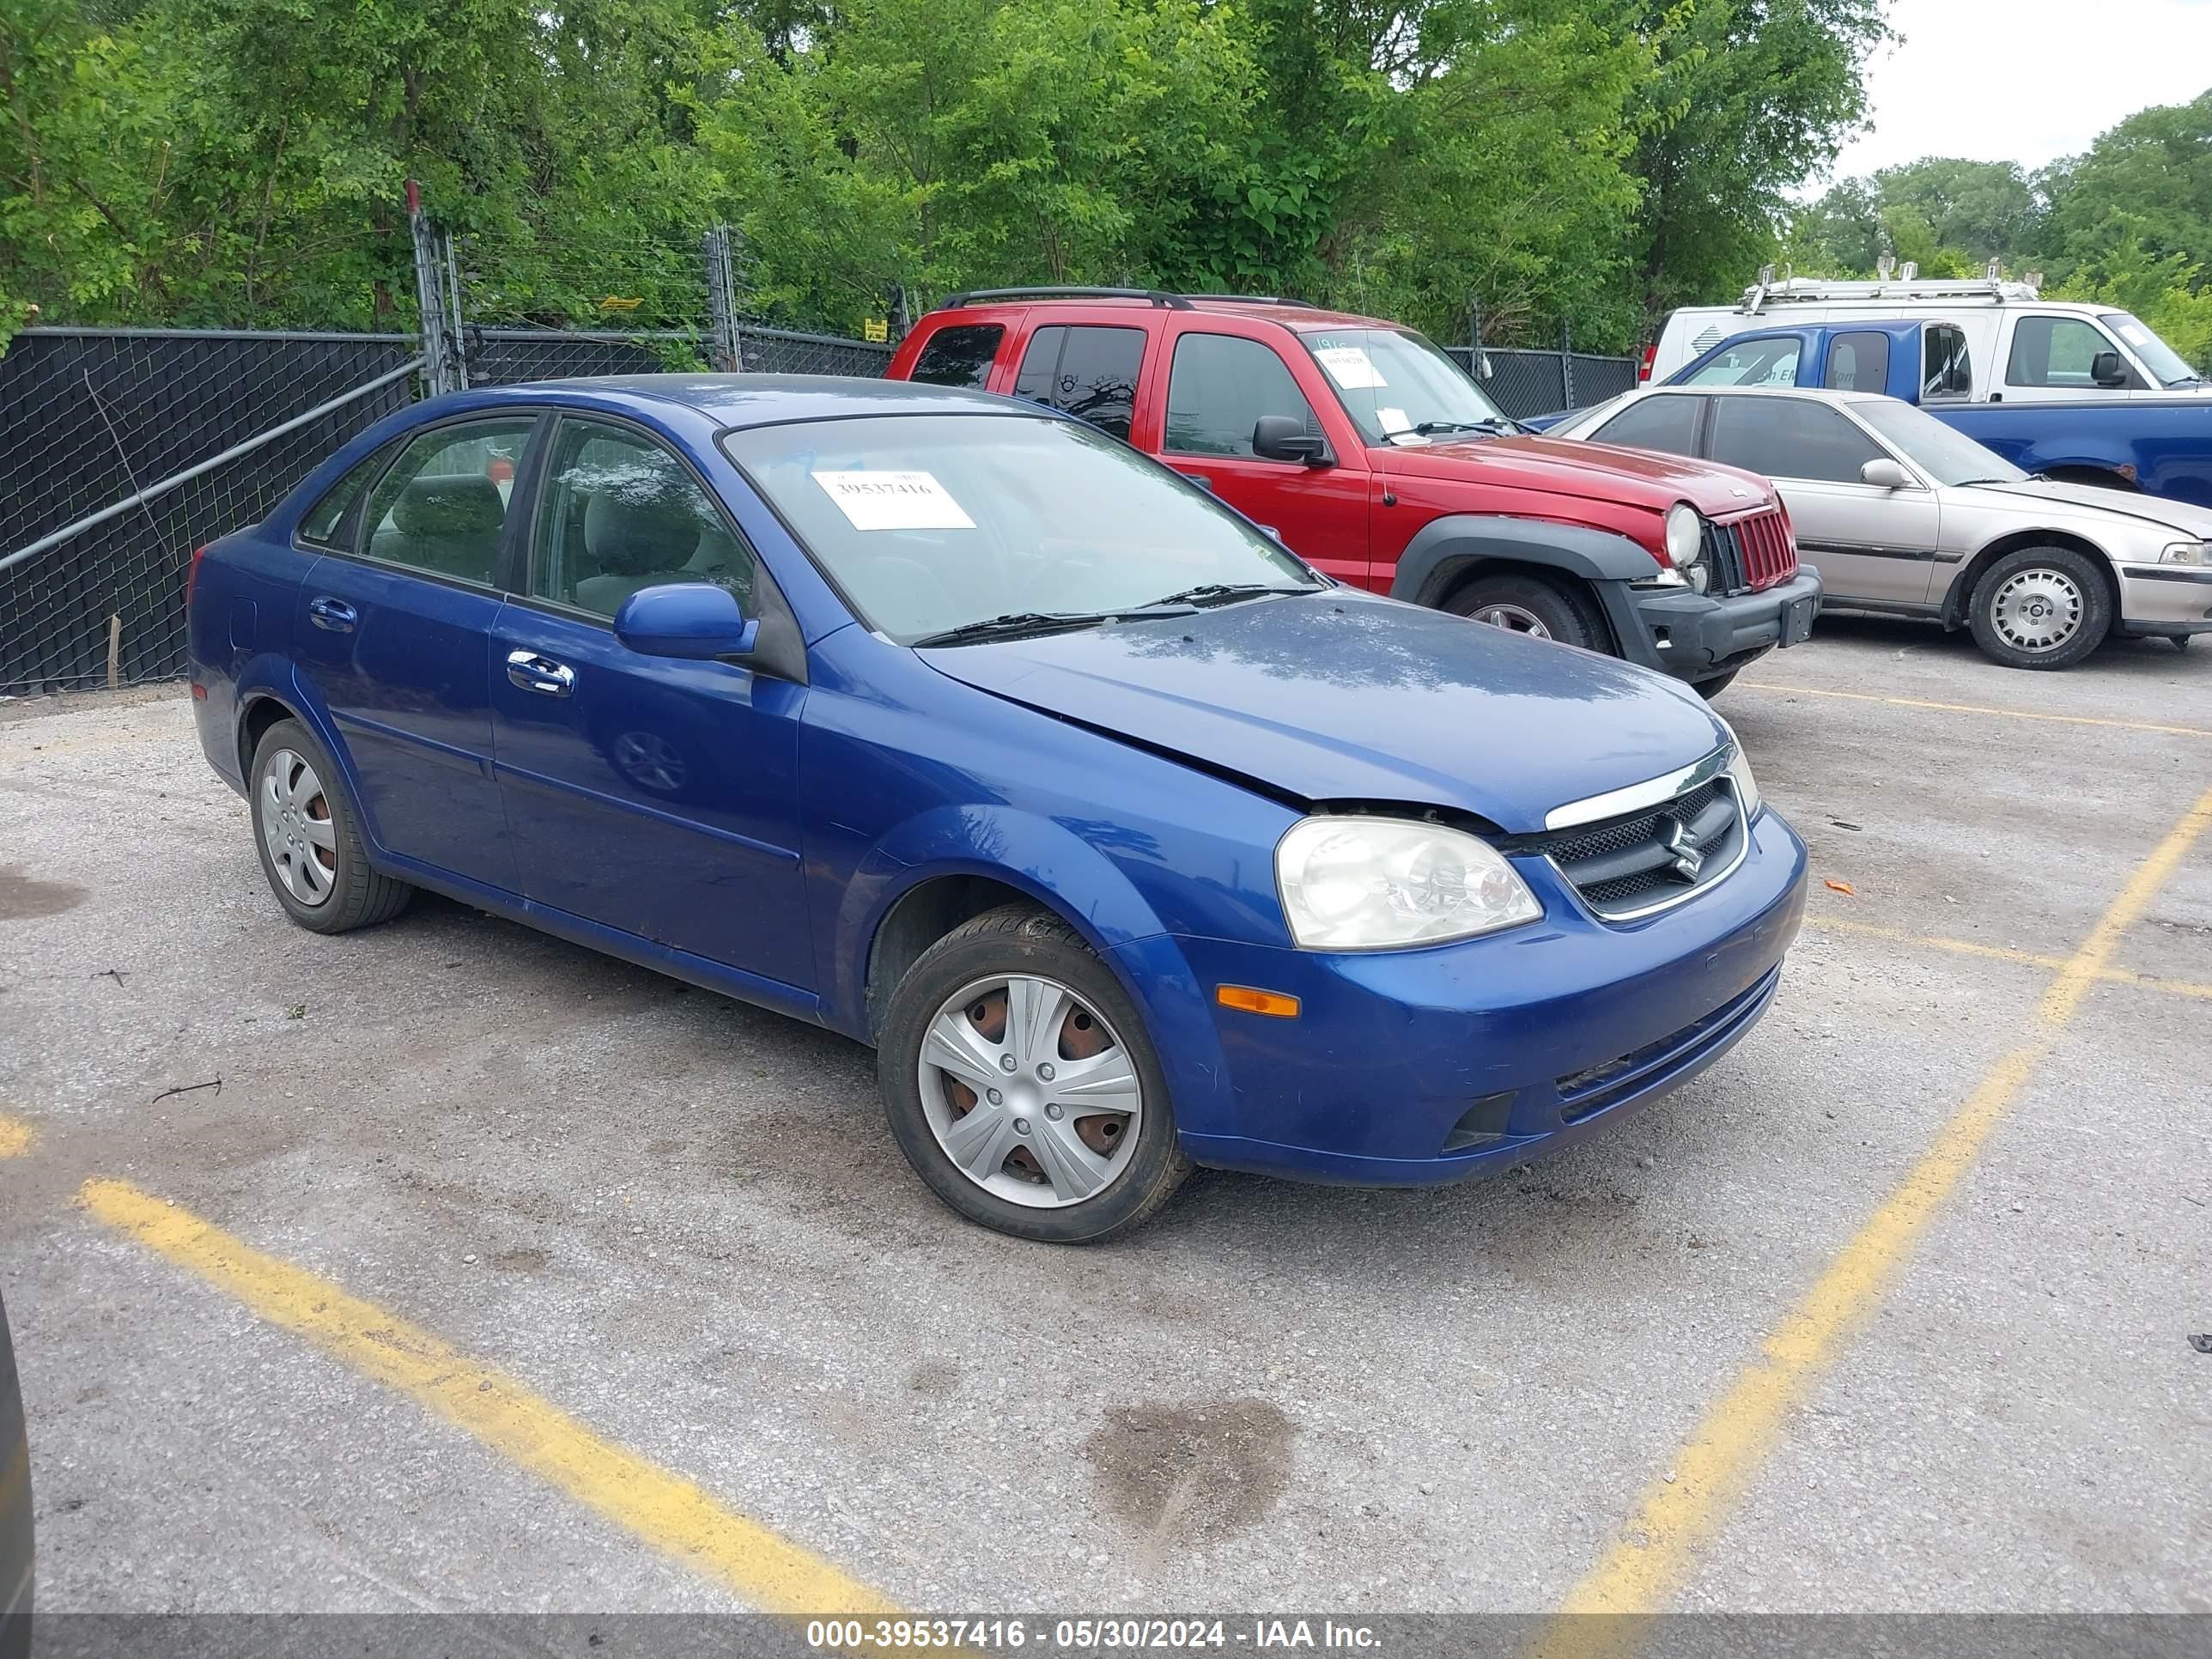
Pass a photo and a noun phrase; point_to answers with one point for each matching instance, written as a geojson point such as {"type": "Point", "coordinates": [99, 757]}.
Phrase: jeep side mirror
{"type": "Point", "coordinates": [1285, 438]}
{"type": "Point", "coordinates": [2105, 370]}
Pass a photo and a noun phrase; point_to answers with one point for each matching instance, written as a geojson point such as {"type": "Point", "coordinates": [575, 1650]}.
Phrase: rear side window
{"type": "Point", "coordinates": [960, 355]}
{"type": "Point", "coordinates": [1669, 423]}
{"type": "Point", "coordinates": [1088, 373]}
{"type": "Point", "coordinates": [1946, 368]}
{"type": "Point", "coordinates": [1770, 361]}
{"type": "Point", "coordinates": [442, 507]}
{"type": "Point", "coordinates": [1858, 363]}
{"type": "Point", "coordinates": [323, 522]}
{"type": "Point", "coordinates": [1218, 389]}
{"type": "Point", "coordinates": [1789, 438]}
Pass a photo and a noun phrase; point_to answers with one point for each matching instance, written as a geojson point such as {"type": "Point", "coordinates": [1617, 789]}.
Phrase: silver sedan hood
{"type": "Point", "coordinates": [2189, 522]}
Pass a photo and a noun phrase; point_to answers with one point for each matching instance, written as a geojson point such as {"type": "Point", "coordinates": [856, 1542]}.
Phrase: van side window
{"type": "Point", "coordinates": [1946, 368]}
{"type": "Point", "coordinates": [2055, 352]}
{"type": "Point", "coordinates": [960, 355]}
{"type": "Point", "coordinates": [1858, 363]}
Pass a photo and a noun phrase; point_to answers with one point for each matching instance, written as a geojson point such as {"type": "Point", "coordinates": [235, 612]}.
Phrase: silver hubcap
{"type": "Point", "coordinates": [296, 827]}
{"type": "Point", "coordinates": [1513, 616]}
{"type": "Point", "coordinates": [2036, 610]}
{"type": "Point", "coordinates": [1030, 1091]}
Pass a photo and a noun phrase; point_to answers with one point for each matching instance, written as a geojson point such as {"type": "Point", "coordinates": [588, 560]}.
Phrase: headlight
{"type": "Point", "coordinates": [1357, 883]}
{"type": "Point", "coordinates": [1746, 786]}
{"type": "Point", "coordinates": [2187, 553]}
{"type": "Point", "coordinates": [1686, 535]}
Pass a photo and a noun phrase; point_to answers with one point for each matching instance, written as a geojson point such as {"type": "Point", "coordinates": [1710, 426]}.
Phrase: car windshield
{"type": "Point", "coordinates": [1398, 387]}
{"type": "Point", "coordinates": [935, 523]}
{"type": "Point", "coordinates": [2166, 364]}
{"type": "Point", "coordinates": [1944, 454]}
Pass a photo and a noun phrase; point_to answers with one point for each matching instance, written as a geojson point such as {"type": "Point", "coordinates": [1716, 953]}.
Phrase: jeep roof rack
{"type": "Point", "coordinates": [1158, 297]}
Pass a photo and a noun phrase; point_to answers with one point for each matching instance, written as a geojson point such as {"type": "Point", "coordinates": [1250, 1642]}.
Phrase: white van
{"type": "Point", "coordinates": [2018, 346]}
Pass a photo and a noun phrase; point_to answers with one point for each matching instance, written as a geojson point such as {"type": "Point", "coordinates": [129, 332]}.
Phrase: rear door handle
{"type": "Point", "coordinates": [541, 674]}
{"type": "Point", "coordinates": [334, 614]}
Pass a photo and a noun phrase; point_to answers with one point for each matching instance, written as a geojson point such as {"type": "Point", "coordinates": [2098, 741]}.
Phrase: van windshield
{"type": "Point", "coordinates": [2166, 364]}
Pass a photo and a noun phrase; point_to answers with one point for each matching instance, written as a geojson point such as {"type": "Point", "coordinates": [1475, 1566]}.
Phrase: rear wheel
{"type": "Point", "coordinates": [2041, 607]}
{"type": "Point", "coordinates": [1530, 604]}
{"type": "Point", "coordinates": [308, 835]}
{"type": "Point", "coordinates": [1021, 1085]}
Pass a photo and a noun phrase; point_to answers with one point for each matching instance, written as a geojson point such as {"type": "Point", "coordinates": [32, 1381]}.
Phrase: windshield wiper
{"type": "Point", "coordinates": [1228, 593]}
{"type": "Point", "coordinates": [1499, 424]}
{"type": "Point", "coordinates": [1012, 623]}
{"type": "Point", "coordinates": [2185, 380]}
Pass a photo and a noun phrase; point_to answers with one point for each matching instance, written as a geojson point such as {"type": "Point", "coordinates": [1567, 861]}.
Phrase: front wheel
{"type": "Point", "coordinates": [1021, 1085]}
{"type": "Point", "coordinates": [2041, 607]}
{"type": "Point", "coordinates": [1529, 604]}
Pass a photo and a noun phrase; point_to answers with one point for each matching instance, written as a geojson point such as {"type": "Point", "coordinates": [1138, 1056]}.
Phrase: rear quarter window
{"type": "Point", "coordinates": [960, 355]}
{"type": "Point", "coordinates": [329, 521]}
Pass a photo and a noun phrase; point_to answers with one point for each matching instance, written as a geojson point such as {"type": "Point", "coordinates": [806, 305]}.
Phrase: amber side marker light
{"type": "Point", "coordinates": [1257, 1002]}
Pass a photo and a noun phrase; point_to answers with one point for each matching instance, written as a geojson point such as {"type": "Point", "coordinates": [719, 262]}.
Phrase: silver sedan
{"type": "Point", "coordinates": [1903, 516]}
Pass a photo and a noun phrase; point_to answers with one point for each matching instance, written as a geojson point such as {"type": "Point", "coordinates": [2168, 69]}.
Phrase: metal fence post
{"type": "Point", "coordinates": [727, 350]}
{"type": "Point", "coordinates": [437, 299]}
{"type": "Point", "coordinates": [1566, 364]}
{"type": "Point", "coordinates": [896, 307]}
{"type": "Point", "coordinates": [1476, 366]}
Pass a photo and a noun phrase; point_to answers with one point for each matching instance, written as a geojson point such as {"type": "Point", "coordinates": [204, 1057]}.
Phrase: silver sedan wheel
{"type": "Point", "coordinates": [296, 827]}
{"type": "Point", "coordinates": [2036, 610]}
{"type": "Point", "coordinates": [1513, 617]}
{"type": "Point", "coordinates": [1030, 1091]}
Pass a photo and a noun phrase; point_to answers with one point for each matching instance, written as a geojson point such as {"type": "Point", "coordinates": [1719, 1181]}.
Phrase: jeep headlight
{"type": "Point", "coordinates": [1685, 544]}
{"type": "Point", "coordinates": [1368, 883]}
{"type": "Point", "coordinates": [2186, 553]}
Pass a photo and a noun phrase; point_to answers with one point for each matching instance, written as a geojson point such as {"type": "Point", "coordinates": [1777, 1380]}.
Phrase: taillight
{"type": "Point", "coordinates": [1643, 368]}
{"type": "Point", "coordinates": [192, 574]}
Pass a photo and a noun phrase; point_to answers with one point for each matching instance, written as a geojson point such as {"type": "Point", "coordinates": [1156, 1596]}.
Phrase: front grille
{"type": "Point", "coordinates": [1596, 1087]}
{"type": "Point", "coordinates": [1750, 553]}
{"type": "Point", "coordinates": [1653, 857]}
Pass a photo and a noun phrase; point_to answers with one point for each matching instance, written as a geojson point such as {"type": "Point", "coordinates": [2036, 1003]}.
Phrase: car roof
{"type": "Point", "coordinates": [1290, 314]}
{"type": "Point", "coordinates": [1823, 394]}
{"type": "Point", "coordinates": [750, 400]}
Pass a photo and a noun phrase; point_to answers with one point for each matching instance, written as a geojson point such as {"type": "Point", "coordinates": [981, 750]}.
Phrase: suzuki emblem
{"type": "Point", "coordinates": [1688, 860]}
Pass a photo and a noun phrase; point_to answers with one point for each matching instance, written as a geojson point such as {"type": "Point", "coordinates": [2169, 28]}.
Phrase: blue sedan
{"type": "Point", "coordinates": [946, 722]}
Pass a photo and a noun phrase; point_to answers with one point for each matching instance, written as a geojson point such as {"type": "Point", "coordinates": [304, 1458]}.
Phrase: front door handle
{"type": "Point", "coordinates": [541, 674]}
{"type": "Point", "coordinates": [334, 614]}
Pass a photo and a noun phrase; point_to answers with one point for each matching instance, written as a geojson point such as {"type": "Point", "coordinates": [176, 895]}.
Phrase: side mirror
{"type": "Point", "coordinates": [1285, 438]}
{"type": "Point", "coordinates": [696, 621]}
{"type": "Point", "coordinates": [1886, 474]}
{"type": "Point", "coordinates": [2105, 369]}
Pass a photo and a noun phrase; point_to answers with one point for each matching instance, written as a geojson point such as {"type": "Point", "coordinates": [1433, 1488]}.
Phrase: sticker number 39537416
{"type": "Point", "coordinates": [894, 501]}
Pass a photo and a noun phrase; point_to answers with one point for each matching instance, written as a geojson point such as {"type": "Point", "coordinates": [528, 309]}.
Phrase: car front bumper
{"type": "Point", "coordinates": [1696, 637]}
{"type": "Point", "coordinates": [2166, 599]}
{"type": "Point", "coordinates": [1418, 1068]}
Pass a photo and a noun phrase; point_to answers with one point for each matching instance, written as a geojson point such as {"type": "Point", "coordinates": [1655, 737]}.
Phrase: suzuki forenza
{"type": "Point", "coordinates": [953, 725]}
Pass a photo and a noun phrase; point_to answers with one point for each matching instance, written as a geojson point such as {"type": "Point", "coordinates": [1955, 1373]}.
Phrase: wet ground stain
{"type": "Point", "coordinates": [22, 898]}
{"type": "Point", "coordinates": [1185, 1475]}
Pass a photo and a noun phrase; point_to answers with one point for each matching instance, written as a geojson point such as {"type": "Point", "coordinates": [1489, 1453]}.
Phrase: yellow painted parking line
{"type": "Point", "coordinates": [1681, 1513]}
{"type": "Point", "coordinates": [2178, 987]}
{"type": "Point", "coordinates": [667, 1511]}
{"type": "Point", "coordinates": [16, 1136]}
{"type": "Point", "coordinates": [1979, 708]}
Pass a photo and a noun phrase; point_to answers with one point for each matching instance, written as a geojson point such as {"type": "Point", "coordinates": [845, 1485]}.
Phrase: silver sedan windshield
{"type": "Point", "coordinates": [1945, 454]}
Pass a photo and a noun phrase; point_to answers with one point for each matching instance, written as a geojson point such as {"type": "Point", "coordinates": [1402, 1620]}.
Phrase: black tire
{"type": "Point", "coordinates": [358, 896]}
{"type": "Point", "coordinates": [2067, 579]}
{"type": "Point", "coordinates": [1018, 938]}
{"type": "Point", "coordinates": [1719, 683]}
{"type": "Point", "coordinates": [1565, 613]}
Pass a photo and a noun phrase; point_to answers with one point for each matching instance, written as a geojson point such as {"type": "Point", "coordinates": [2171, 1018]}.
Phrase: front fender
{"type": "Point", "coordinates": [1443, 547]}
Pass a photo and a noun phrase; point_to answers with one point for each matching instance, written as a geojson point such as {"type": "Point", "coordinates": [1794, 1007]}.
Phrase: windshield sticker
{"type": "Point", "coordinates": [893, 500]}
{"type": "Point", "coordinates": [1350, 368]}
{"type": "Point", "coordinates": [2135, 334]}
{"type": "Point", "coordinates": [1392, 420]}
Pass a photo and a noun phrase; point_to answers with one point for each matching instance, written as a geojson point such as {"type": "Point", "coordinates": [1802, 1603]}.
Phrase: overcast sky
{"type": "Point", "coordinates": [2025, 81]}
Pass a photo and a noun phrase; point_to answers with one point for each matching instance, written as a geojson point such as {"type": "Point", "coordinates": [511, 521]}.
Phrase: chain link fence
{"type": "Point", "coordinates": [1525, 383]}
{"type": "Point", "coordinates": [125, 450]}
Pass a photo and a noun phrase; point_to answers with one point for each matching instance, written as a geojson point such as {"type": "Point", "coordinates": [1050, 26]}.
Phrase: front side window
{"type": "Point", "coordinates": [1789, 438]}
{"type": "Point", "coordinates": [1751, 363]}
{"type": "Point", "coordinates": [619, 513]}
{"type": "Point", "coordinates": [2054, 352]}
{"type": "Point", "coordinates": [927, 523]}
{"type": "Point", "coordinates": [1667, 422]}
{"type": "Point", "coordinates": [442, 507]}
{"type": "Point", "coordinates": [1859, 362]}
{"type": "Point", "coordinates": [1947, 369]}
{"type": "Point", "coordinates": [1399, 388]}
{"type": "Point", "coordinates": [1218, 389]}
{"type": "Point", "coordinates": [1088, 373]}
{"type": "Point", "coordinates": [959, 355]}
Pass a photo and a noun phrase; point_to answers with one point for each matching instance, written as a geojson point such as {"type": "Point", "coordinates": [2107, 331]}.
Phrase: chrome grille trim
{"type": "Point", "coordinates": [1652, 792]}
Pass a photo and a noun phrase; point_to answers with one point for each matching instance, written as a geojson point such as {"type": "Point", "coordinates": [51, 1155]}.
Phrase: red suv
{"type": "Point", "coordinates": [1374, 456]}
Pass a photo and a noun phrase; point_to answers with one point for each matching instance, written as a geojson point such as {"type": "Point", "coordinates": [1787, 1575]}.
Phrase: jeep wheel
{"type": "Point", "coordinates": [1529, 604]}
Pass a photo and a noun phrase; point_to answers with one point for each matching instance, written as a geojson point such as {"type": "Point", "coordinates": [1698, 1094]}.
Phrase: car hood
{"type": "Point", "coordinates": [1570, 466]}
{"type": "Point", "coordinates": [2189, 521]}
{"type": "Point", "coordinates": [1343, 696]}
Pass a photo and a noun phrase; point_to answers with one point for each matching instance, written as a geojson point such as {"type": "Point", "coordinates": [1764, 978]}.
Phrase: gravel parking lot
{"type": "Point", "coordinates": [1891, 1311]}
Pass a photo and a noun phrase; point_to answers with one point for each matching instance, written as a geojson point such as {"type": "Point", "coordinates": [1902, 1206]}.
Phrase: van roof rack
{"type": "Point", "coordinates": [1158, 297]}
{"type": "Point", "coordinates": [1813, 290]}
